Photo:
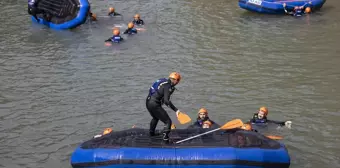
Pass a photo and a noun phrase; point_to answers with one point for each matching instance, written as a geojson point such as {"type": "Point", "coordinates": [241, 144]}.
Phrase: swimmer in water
{"type": "Point", "coordinates": [137, 20]}
{"type": "Point", "coordinates": [116, 38]}
{"type": "Point", "coordinates": [93, 17]}
{"type": "Point", "coordinates": [112, 12]}
{"type": "Point", "coordinates": [130, 29]}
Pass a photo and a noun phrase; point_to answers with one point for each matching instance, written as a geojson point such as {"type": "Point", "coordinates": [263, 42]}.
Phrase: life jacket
{"type": "Point", "coordinates": [31, 3]}
{"type": "Point", "coordinates": [257, 120]}
{"type": "Point", "coordinates": [132, 31]}
{"type": "Point", "coordinates": [155, 86]}
{"type": "Point", "coordinates": [116, 39]}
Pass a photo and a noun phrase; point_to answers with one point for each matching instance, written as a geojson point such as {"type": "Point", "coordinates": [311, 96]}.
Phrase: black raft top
{"type": "Point", "coordinates": [140, 138]}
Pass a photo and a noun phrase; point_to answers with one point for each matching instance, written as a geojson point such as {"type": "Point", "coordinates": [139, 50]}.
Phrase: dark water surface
{"type": "Point", "coordinates": [59, 88]}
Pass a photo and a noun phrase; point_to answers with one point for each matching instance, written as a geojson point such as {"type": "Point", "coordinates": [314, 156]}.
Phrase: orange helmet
{"type": "Point", "coordinates": [203, 110]}
{"type": "Point", "coordinates": [94, 16]}
{"type": "Point", "coordinates": [247, 127]}
{"type": "Point", "coordinates": [137, 16]}
{"type": "Point", "coordinates": [207, 122]}
{"type": "Point", "coordinates": [130, 25]}
{"type": "Point", "coordinates": [264, 110]}
{"type": "Point", "coordinates": [116, 31]}
{"type": "Point", "coordinates": [175, 75]}
{"type": "Point", "coordinates": [111, 9]}
{"type": "Point", "coordinates": [107, 131]}
{"type": "Point", "coordinates": [308, 10]}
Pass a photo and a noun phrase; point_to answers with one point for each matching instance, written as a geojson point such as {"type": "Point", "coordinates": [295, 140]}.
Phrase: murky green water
{"type": "Point", "coordinates": [59, 88]}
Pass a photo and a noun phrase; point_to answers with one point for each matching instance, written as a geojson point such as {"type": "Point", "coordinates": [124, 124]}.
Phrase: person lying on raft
{"type": "Point", "coordinates": [261, 117]}
{"type": "Point", "coordinates": [201, 118]}
{"type": "Point", "coordinates": [116, 38]}
{"type": "Point", "coordinates": [206, 124]}
{"type": "Point", "coordinates": [137, 20]}
{"type": "Point", "coordinates": [112, 12]}
{"type": "Point", "coordinates": [297, 10]}
{"type": "Point", "coordinates": [130, 29]}
{"type": "Point", "coordinates": [33, 10]}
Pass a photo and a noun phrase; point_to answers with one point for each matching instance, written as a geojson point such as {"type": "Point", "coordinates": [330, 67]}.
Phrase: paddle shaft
{"type": "Point", "coordinates": [198, 135]}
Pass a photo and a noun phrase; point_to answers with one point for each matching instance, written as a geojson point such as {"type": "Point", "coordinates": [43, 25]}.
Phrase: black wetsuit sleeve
{"type": "Point", "coordinates": [126, 31]}
{"type": "Point", "coordinates": [116, 14]}
{"type": "Point", "coordinates": [167, 95]}
{"type": "Point", "coordinates": [142, 21]}
{"type": "Point", "coordinates": [108, 40]}
{"type": "Point", "coordinates": [281, 123]}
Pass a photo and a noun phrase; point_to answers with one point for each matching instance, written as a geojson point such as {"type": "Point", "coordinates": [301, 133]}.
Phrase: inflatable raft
{"type": "Point", "coordinates": [276, 6]}
{"type": "Point", "coordinates": [134, 148]}
{"type": "Point", "coordinates": [64, 14]}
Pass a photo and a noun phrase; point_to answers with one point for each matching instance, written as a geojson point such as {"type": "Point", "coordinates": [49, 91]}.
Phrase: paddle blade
{"type": "Point", "coordinates": [274, 137]}
{"type": "Point", "coordinates": [183, 118]}
{"type": "Point", "coordinates": [173, 126]}
{"type": "Point", "coordinates": [236, 123]}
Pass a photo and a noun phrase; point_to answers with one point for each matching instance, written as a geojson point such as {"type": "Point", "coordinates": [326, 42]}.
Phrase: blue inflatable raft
{"type": "Point", "coordinates": [276, 6]}
{"type": "Point", "coordinates": [63, 14]}
{"type": "Point", "coordinates": [134, 148]}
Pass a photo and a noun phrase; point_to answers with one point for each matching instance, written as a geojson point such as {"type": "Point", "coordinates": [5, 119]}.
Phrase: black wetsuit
{"type": "Point", "coordinates": [138, 22]}
{"type": "Point", "coordinates": [154, 105]}
{"type": "Point", "coordinates": [114, 14]}
{"type": "Point", "coordinates": [256, 120]}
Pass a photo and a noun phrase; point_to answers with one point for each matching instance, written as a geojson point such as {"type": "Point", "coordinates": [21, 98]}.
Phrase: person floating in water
{"type": "Point", "coordinates": [297, 10]}
{"type": "Point", "coordinates": [137, 20]}
{"type": "Point", "coordinates": [159, 94]}
{"type": "Point", "coordinates": [201, 118]}
{"type": "Point", "coordinates": [130, 29]}
{"type": "Point", "coordinates": [93, 17]}
{"type": "Point", "coordinates": [116, 38]}
{"type": "Point", "coordinates": [261, 117]}
{"type": "Point", "coordinates": [112, 12]}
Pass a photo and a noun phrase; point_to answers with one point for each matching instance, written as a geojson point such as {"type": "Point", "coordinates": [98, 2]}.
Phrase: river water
{"type": "Point", "coordinates": [59, 88]}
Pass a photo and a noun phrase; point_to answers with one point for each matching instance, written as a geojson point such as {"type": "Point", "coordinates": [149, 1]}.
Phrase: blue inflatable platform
{"type": "Point", "coordinates": [63, 14]}
{"type": "Point", "coordinates": [134, 148]}
{"type": "Point", "coordinates": [276, 6]}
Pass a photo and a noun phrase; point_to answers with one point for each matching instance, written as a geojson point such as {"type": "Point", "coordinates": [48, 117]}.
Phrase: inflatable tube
{"type": "Point", "coordinates": [64, 14]}
{"type": "Point", "coordinates": [134, 148]}
{"type": "Point", "coordinates": [276, 6]}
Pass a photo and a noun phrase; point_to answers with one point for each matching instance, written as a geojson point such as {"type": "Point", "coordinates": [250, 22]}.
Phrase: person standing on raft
{"type": "Point", "coordinates": [159, 93]}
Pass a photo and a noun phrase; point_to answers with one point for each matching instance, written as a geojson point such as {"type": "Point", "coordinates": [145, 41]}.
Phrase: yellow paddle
{"type": "Point", "coordinates": [183, 118]}
{"type": "Point", "coordinates": [229, 125]}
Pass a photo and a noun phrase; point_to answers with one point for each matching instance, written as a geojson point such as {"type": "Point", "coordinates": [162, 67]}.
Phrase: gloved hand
{"type": "Point", "coordinates": [288, 124]}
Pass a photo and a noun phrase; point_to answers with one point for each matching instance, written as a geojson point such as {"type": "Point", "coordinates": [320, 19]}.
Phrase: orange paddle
{"type": "Point", "coordinates": [274, 137]}
{"type": "Point", "coordinates": [183, 118]}
{"type": "Point", "coordinates": [236, 123]}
